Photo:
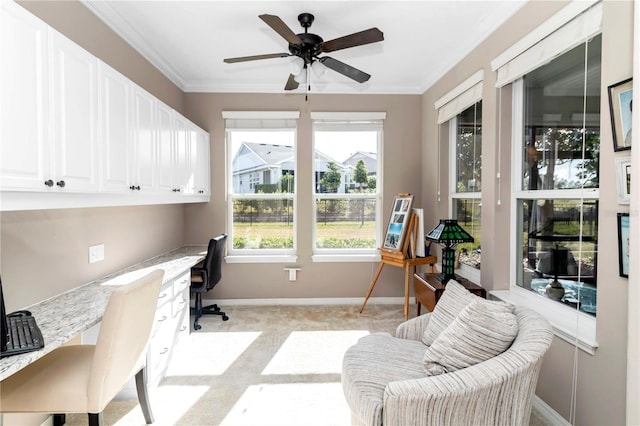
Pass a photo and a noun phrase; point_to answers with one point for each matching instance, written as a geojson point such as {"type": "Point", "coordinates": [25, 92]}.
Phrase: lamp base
{"type": "Point", "coordinates": [554, 290]}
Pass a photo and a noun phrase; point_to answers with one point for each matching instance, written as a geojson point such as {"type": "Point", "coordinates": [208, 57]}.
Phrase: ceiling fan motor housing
{"type": "Point", "coordinates": [311, 43]}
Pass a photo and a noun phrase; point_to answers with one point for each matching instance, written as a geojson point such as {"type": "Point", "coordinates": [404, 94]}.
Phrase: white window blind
{"type": "Point", "coordinates": [574, 24]}
{"type": "Point", "coordinates": [260, 119]}
{"type": "Point", "coordinates": [460, 98]}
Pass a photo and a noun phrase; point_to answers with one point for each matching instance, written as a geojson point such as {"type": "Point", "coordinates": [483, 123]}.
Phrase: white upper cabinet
{"type": "Point", "coordinates": [75, 116]}
{"type": "Point", "coordinates": [202, 163]}
{"type": "Point", "coordinates": [70, 123]}
{"type": "Point", "coordinates": [115, 131]}
{"type": "Point", "coordinates": [24, 145]}
{"type": "Point", "coordinates": [144, 144]}
{"type": "Point", "coordinates": [165, 138]}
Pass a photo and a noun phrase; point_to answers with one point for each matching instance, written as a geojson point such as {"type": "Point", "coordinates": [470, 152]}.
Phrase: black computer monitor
{"type": "Point", "coordinates": [4, 332]}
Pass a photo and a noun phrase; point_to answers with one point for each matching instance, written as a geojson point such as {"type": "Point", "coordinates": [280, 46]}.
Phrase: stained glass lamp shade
{"type": "Point", "coordinates": [449, 234]}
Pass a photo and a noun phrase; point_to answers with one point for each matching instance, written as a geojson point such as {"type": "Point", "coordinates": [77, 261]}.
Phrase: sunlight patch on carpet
{"type": "Point", "coordinates": [294, 404]}
{"type": "Point", "coordinates": [313, 352]}
{"type": "Point", "coordinates": [209, 354]}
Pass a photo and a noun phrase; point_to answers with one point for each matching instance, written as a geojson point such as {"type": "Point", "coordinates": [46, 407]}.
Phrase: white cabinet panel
{"type": "Point", "coordinates": [165, 148]}
{"type": "Point", "coordinates": [75, 116]}
{"type": "Point", "coordinates": [115, 138]}
{"type": "Point", "coordinates": [179, 176]}
{"type": "Point", "coordinates": [24, 155]}
{"type": "Point", "coordinates": [144, 143]}
{"type": "Point", "coordinates": [202, 163]}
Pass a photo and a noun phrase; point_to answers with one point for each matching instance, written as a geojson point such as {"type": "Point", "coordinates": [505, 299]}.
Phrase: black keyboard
{"type": "Point", "coordinates": [24, 335]}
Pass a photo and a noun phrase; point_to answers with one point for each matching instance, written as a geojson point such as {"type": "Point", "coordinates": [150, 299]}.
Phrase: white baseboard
{"type": "Point", "coordinates": [307, 301]}
{"type": "Point", "coordinates": [548, 414]}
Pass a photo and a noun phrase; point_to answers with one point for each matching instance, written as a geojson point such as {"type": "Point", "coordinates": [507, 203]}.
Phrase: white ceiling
{"type": "Point", "coordinates": [188, 40]}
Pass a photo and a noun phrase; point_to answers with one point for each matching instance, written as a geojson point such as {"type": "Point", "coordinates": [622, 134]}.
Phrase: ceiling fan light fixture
{"type": "Point", "coordinates": [319, 69]}
{"type": "Point", "coordinates": [296, 65]}
{"type": "Point", "coordinates": [301, 77]}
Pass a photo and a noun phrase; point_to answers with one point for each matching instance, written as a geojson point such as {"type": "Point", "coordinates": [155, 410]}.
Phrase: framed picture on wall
{"type": "Point", "coordinates": [397, 228]}
{"type": "Point", "coordinates": [623, 244]}
{"type": "Point", "coordinates": [621, 107]}
{"type": "Point", "coordinates": [623, 179]}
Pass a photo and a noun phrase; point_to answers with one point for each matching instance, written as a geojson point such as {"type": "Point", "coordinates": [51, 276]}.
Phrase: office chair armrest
{"type": "Point", "coordinates": [203, 273]}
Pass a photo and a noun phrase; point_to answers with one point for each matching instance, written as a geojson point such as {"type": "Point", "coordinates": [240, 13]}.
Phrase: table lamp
{"type": "Point", "coordinates": [449, 234]}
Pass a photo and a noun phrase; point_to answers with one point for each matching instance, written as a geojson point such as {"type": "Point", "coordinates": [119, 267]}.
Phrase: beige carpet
{"type": "Point", "coordinates": [276, 365]}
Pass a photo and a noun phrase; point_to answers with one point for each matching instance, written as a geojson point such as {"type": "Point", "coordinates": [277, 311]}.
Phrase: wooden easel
{"type": "Point", "coordinates": [405, 258]}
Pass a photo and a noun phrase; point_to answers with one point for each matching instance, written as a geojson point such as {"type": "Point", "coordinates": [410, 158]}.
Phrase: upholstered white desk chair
{"type": "Point", "coordinates": [85, 378]}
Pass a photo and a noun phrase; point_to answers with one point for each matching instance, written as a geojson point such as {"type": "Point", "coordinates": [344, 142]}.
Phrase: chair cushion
{"type": "Point", "coordinates": [481, 331]}
{"type": "Point", "coordinates": [373, 362]}
{"type": "Point", "coordinates": [453, 300]}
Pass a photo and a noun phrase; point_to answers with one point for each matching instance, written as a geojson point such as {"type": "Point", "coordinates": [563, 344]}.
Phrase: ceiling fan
{"type": "Point", "coordinates": [308, 47]}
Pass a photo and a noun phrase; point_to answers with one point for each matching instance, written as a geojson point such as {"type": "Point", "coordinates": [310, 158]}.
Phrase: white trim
{"type": "Point", "coordinates": [576, 328]}
{"type": "Point", "coordinates": [563, 39]}
{"type": "Point", "coordinates": [548, 415]}
{"type": "Point", "coordinates": [262, 258]}
{"type": "Point", "coordinates": [558, 20]}
{"type": "Point", "coordinates": [261, 115]}
{"type": "Point", "coordinates": [307, 301]}
{"type": "Point", "coordinates": [460, 89]}
{"type": "Point", "coordinates": [318, 115]}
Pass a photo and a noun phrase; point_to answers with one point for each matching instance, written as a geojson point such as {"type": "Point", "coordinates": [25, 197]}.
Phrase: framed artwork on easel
{"type": "Point", "coordinates": [397, 228]}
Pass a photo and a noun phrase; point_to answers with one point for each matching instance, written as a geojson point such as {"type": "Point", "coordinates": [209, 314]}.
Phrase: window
{"type": "Point", "coordinates": [466, 181]}
{"type": "Point", "coordinates": [347, 182]}
{"type": "Point", "coordinates": [261, 183]}
{"type": "Point", "coordinates": [556, 196]}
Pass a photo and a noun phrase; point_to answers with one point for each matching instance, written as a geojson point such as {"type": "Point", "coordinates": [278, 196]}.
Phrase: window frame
{"type": "Point", "coordinates": [345, 122]}
{"type": "Point", "coordinates": [254, 119]}
{"type": "Point", "coordinates": [463, 270]}
{"type": "Point", "coordinates": [562, 318]}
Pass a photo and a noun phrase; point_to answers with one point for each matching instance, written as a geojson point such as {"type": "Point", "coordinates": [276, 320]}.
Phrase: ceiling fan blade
{"type": "Point", "coordinates": [256, 57]}
{"type": "Point", "coordinates": [292, 84]}
{"type": "Point", "coordinates": [345, 69]}
{"type": "Point", "coordinates": [281, 28]}
{"type": "Point", "coordinates": [371, 35]}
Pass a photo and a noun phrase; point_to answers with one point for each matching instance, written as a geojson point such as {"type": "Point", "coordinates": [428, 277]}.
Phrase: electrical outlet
{"type": "Point", "coordinates": [96, 253]}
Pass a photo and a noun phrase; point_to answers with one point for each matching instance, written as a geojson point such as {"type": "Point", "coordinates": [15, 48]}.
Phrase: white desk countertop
{"type": "Point", "coordinates": [66, 315]}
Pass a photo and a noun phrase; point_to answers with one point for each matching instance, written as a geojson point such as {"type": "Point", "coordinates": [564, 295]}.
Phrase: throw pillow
{"type": "Point", "coordinates": [483, 330]}
{"type": "Point", "coordinates": [453, 300]}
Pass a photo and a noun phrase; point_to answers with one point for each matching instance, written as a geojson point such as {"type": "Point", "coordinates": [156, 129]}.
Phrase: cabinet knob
{"type": "Point", "coordinates": [133, 187]}
{"type": "Point", "coordinates": [49, 183]}
{"type": "Point", "coordinates": [61, 183]}
{"type": "Point", "coordinates": [137, 187]}
{"type": "Point", "coordinates": [176, 190]}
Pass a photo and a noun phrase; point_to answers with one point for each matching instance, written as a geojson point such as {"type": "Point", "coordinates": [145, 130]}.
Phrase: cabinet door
{"type": "Point", "coordinates": [144, 170]}
{"type": "Point", "coordinates": [164, 132]}
{"type": "Point", "coordinates": [115, 138]}
{"type": "Point", "coordinates": [181, 153]}
{"type": "Point", "coordinates": [24, 155]}
{"type": "Point", "coordinates": [202, 164]}
{"type": "Point", "coordinates": [75, 114]}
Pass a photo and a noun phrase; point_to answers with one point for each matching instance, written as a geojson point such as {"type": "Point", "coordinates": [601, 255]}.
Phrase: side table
{"type": "Point", "coordinates": [428, 289]}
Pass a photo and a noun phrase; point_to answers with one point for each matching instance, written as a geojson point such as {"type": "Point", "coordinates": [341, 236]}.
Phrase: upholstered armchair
{"type": "Point", "coordinates": [388, 380]}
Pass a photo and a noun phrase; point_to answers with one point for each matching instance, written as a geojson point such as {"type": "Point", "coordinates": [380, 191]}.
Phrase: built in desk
{"type": "Point", "coordinates": [67, 315]}
{"type": "Point", "coordinates": [428, 289]}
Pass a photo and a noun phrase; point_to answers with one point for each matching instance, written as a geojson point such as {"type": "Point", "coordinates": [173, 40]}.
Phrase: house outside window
{"type": "Point", "coordinates": [347, 181]}
{"type": "Point", "coordinates": [465, 190]}
{"type": "Point", "coordinates": [557, 177]}
{"type": "Point", "coordinates": [261, 183]}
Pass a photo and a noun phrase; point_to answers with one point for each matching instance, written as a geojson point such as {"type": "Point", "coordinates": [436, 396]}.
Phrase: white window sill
{"type": "Point", "coordinates": [261, 258]}
{"type": "Point", "coordinates": [370, 257]}
{"type": "Point", "coordinates": [568, 324]}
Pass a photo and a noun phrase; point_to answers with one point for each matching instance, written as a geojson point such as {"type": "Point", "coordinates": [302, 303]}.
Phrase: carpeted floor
{"type": "Point", "coordinates": [273, 365]}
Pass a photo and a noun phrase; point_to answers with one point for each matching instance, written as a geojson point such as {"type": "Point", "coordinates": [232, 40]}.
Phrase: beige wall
{"type": "Point", "coordinates": [402, 166]}
{"type": "Point", "coordinates": [601, 379]}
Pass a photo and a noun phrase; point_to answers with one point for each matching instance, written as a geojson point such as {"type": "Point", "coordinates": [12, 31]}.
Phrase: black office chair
{"type": "Point", "coordinates": [205, 277]}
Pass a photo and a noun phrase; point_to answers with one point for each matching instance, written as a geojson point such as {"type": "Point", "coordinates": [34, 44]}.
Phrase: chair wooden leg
{"type": "Point", "coordinates": [59, 419]}
{"type": "Point", "coordinates": [143, 395]}
{"type": "Point", "coordinates": [95, 419]}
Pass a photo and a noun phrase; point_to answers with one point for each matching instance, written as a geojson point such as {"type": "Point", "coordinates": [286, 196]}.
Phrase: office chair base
{"type": "Point", "coordinates": [199, 311]}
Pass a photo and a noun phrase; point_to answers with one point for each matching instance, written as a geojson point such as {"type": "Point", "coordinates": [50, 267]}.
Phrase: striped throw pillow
{"type": "Point", "coordinates": [482, 330]}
